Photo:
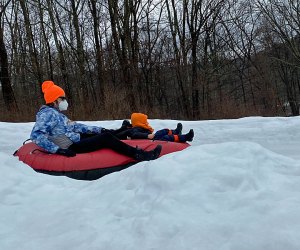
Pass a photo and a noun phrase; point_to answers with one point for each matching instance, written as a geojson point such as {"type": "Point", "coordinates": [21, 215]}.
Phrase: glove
{"type": "Point", "coordinates": [126, 124]}
{"type": "Point", "coordinates": [65, 152]}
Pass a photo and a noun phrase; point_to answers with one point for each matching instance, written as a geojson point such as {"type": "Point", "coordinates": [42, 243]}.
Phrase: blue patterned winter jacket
{"type": "Point", "coordinates": [51, 122]}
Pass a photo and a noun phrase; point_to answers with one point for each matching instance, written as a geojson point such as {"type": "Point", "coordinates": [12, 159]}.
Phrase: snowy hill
{"type": "Point", "coordinates": [236, 188]}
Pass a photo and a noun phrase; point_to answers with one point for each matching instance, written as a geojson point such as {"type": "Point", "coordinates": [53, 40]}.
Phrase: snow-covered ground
{"type": "Point", "coordinates": [236, 188]}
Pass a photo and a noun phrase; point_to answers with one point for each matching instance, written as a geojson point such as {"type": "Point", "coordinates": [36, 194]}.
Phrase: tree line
{"type": "Point", "coordinates": [187, 59]}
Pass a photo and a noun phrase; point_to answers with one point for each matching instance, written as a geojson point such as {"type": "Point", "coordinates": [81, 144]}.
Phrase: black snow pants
{"type": "Point", "coordinates": [90, 143]}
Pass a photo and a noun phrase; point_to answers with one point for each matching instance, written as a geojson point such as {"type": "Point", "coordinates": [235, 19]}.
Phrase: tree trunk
{"type": "Point", "coordinates": [31, 43]}
{"type": "Point", "coordinates": [80, 55]}
{"type": "Point", "coordinates": [7, 90]}
{"type": "Point", "coordinates": [98, 47]}
{"type": "Point", "coordinates": [119, 28]}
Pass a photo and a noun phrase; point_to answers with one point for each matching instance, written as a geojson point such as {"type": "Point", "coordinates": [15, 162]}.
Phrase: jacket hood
{"type": "Point", "coordinates": [140, 120]}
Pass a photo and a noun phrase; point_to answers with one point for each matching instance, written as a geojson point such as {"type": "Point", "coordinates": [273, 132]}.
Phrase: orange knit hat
{"type": "Point", "coordinates": [140, 120]}
{"type": "Point", "coordinates": [51, 91]}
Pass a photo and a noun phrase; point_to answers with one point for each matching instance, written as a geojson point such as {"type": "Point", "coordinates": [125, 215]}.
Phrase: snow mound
{"type": "Point", "coordinates": [229, 191]}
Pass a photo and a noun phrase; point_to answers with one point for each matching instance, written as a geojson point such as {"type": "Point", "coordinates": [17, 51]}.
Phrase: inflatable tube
{"type": "Point", "coordinates": [89, 166]}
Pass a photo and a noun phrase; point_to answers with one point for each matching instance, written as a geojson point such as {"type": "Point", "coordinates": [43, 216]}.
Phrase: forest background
{"type": "Point", "coordinates": [171, 59]}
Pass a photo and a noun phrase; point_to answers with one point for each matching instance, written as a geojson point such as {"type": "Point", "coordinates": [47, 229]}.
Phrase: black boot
{"type": "Point", "coordinates": [189, 136]}
{"type": "Point", "coordinates": [142, 155]}
{"type": "Point", "coordinates": [178, 129]}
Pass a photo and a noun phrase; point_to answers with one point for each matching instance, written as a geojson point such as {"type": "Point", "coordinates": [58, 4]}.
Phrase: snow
{"type": "Point", "coordinates": [236, 188]}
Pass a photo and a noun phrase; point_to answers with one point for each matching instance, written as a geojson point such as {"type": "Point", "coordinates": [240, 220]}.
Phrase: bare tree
{"type": "Point", "coordinates": [177, 16]}
{"type": "Point", "coordinates": [124, 25]}
{"type": "Point", "coordinates": [94, 8]}
{"type": "Point", "coordinates": [284, 19]}
{"type": "Point", "coordinates": [50, 7]}
{"type": "Point", "coordinates": [201, 19]}
{"type": "Point", "coordinates": [7, 90]}
{"type": "Point", "coordinates": [31, 41]}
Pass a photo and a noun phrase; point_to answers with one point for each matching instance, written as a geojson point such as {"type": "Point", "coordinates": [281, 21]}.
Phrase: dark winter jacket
{"type": "Point", "coordinates": [133, 133]}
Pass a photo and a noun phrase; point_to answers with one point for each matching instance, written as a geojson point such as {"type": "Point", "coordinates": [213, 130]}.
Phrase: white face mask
{"type": "Point", "coordinates": [63, 105]}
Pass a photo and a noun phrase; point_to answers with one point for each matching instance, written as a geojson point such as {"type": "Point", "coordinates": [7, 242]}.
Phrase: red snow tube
{"type": "Point", "coordinates": [89, 166]}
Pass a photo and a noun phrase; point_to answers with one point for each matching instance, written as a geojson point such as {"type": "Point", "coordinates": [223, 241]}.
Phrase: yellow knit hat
{"type": "Point", "coordinates": [51, 91]}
